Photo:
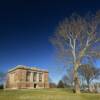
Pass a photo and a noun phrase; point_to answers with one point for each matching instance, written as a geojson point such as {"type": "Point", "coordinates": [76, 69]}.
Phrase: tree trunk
{"type": "Point", "coordinates": [76, 79]}
{"type": "Point", "coordinates": [77, 85]}
{"type": "Point", "coordinates": [88, 83]}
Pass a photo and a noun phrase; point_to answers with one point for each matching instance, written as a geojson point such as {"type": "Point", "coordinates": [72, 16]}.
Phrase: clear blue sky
{"type": "Point", "coordinates": [25, 28]}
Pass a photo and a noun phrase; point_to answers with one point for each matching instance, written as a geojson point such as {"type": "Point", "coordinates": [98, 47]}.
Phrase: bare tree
{"type": "Point", "coordinates": [67, 81]}
{"type": "Point", "coordinates": [52, 84]}
{"type": "Point", "coordinates": [74, 39]}
{"type": "Point", "coordinates": [89, 73]}
{"type": "Point", "coordinates": [68, 78]}
{"type": "Point", "coordinates": [2, 76]}
{"type": "Point", "coordinates": [2, 79]}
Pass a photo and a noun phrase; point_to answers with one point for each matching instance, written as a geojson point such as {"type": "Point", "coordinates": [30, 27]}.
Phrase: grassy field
{"type": "Point", "coordinates": [45, 94]}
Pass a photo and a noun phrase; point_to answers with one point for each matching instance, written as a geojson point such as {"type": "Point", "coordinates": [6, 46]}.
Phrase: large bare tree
{"type": "Point", "coordinates": [75, 38]}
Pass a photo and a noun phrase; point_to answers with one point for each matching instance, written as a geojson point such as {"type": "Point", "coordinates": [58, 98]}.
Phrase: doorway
{"type": "Point", "coordinates": [35, 85]}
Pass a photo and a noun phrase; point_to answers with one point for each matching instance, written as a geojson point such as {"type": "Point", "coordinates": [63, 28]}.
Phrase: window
{"type": "Point", "coordinates": [40, 77]}
{"type": "Point", "coordinates": [12, 77]}
{"type": "Point", "coordinates": [34, 76]}
{"type": "Point", "coordinates": [28, 76]}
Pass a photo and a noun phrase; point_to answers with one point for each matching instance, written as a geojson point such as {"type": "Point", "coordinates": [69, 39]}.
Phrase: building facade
{"type": "Point", "coordinates": [22, 77]}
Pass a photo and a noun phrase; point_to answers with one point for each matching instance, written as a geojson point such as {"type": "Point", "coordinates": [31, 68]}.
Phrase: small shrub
{"type": "Point", "coordinates": [52, 85]}
{"type": "Point", "coordinates": [1, 86]}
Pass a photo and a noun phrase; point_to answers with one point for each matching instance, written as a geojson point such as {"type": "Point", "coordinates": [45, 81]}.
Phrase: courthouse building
{"type": "Point", "coordinates": [22, 77]}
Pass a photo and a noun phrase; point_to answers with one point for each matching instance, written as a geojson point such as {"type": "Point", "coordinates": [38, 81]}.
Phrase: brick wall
{"type": "Point", "coordinates": [46, 81]}
{"type": "Point", "coordinates": [17, 79]}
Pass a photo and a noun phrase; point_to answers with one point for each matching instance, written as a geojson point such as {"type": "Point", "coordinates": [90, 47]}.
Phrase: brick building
{"type": "Point", "coordinates": [22, 77]}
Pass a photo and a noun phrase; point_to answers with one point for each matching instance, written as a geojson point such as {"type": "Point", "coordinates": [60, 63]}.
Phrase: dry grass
{"type": "Point", "coordinates": [46, 94]}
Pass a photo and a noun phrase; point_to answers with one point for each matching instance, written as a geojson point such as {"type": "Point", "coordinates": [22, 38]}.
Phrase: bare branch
{"type": "Point", "coordinates": [78, 35]}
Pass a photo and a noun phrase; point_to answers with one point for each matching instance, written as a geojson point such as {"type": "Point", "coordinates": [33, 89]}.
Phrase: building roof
{"type": "Point", "coordinates": [27, 68]}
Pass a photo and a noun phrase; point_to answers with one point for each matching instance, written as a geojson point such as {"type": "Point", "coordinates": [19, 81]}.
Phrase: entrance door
{"type": "Point", "coordinates": [35, 85]}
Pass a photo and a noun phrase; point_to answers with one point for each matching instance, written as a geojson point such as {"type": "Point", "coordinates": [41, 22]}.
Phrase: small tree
{"type": "Point", "coordinates": [51, 83]}
{"type": "Point", "coordinates": [2, 76]}
{"type": "Point", "coordinates": [60, 84]}
{"type": "Point", "coordinates": [74, 39]}
{"type": "Point", "coordinates": [89, 73]}
{"type": "Point", "coordinates": [2, 79]}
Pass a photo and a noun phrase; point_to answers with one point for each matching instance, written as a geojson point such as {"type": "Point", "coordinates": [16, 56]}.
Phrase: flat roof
{"type": "Point", "coordinates": [27, 68]}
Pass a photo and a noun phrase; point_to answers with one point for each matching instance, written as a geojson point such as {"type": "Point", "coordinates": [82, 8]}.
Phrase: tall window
{"type": "Point", "coordinates": [28, 76]}
{"type": "Point", "coordinates": [34, 76]}
{"type": "Point", "coordinates": [40, 77]}
{"type": "Point", "coordinates": [12, 77]}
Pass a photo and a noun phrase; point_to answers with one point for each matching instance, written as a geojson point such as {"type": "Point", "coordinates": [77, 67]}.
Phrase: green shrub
{"type": "Point", "coordinates": [1, 86]}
